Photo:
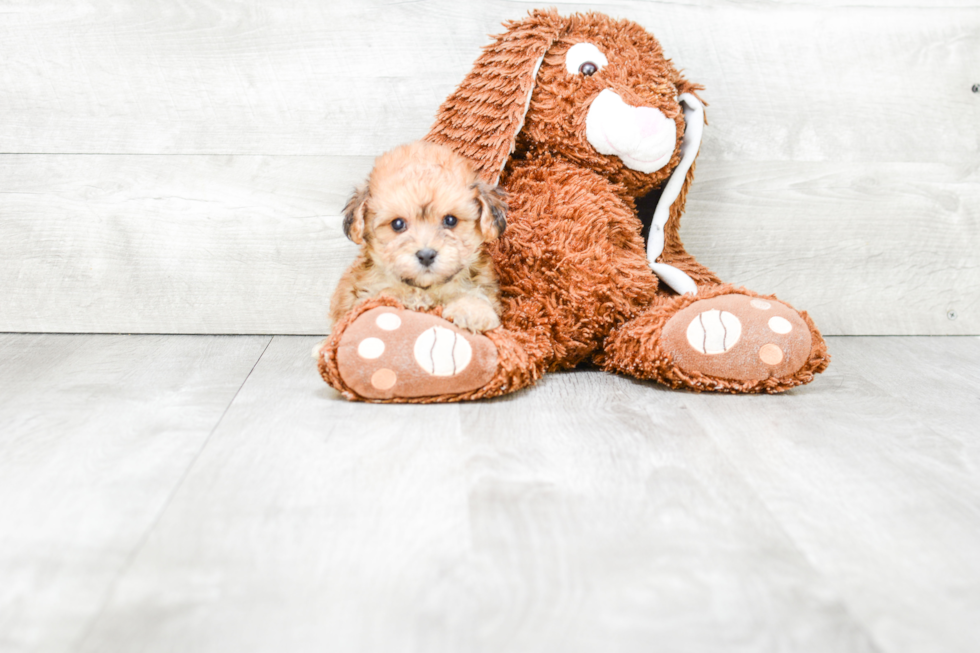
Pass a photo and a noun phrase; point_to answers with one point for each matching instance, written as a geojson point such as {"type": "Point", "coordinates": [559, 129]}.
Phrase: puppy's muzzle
{"type": "Point", "coordinates": [426, 256]}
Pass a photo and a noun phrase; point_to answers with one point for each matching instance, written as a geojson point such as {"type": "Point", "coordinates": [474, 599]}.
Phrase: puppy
{"type": "Point", "coordinates": [422, 219]}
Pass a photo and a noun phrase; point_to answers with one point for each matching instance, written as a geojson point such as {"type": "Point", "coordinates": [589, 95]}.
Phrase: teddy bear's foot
{"type": "Point", "coordinates": [389, 353]}
{"type": "Point", "coordinates": [725, 339]}
{"type": "Point", "coordinates": [738, 337]}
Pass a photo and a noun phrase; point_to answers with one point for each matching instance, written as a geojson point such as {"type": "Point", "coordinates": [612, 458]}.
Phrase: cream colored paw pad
{"type": "Point", "coordinates": [760, 304]}
{"type": "Point", "coordinates": [442, 352]}
{"type": "Point", "coordinates": [388, 321]}
{"type": "Point", "coordinates": [780, 325]}
{"type": "Point", "coordinates": [371, 348]}
{"type": "Point", "coordinates": [714, 332]}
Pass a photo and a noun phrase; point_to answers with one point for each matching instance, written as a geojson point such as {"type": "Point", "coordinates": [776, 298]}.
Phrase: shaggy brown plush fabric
{"type": "Point", "coordinates": [574, 278]}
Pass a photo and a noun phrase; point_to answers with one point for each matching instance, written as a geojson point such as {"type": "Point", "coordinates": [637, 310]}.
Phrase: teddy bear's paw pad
{"type": "Point", "coordinates": [738, 337]}
{"type": "Point", "coordinates": [387, 353]}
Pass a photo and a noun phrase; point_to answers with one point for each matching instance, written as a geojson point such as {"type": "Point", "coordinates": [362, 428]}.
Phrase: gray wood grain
{"type": "Point", "coordinates": [786, 81]}
{"type": "Point", "coordinates": [866, 249]}
{"type": "Point", "coordinates": [172, 244]}
{"type": "Point", "coordinates": [839, 169]}
{"type": "Point", "coordinates": [243, 244]}
{"type": "Point", "coordinates": [589, 513]}
{"type": "Point", "coordinates": [95, 434]}
{"type": "Point", "coordinates": [879, 490]}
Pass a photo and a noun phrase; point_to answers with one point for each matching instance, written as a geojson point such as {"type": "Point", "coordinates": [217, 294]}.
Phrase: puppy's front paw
{"type": "Point", "coordinates": [318, 348]}
{"type": "Point", "coordinates": [472, 314]}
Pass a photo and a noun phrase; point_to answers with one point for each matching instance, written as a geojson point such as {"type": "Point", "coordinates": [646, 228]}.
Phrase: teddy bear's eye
{"type": "Point", "coordinates": [584, 59]}
{"type": "Point", "coordinates": [450, 221]}
{"type": "Point", "coordinates": [398, 224]}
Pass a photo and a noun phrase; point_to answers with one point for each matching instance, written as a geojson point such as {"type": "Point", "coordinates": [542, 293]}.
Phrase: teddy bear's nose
{"type": "Point", "coordinates": [426, 256]}
{"type": "Point", "coordinates": [642, 137]}
{"type": "Point", "coordinates": [650, 121]}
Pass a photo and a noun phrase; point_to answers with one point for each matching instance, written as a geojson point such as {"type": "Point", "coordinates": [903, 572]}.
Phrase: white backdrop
{"type": "Point", "coordinates": [179, 167]}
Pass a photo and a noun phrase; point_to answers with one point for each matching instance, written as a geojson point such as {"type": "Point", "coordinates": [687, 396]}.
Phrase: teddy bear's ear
{"type": "Point", "coordinates": [493, 209]}
{"type": "Point", "coordinates": [664, 238]}
{"type": "Point", "coordinates": [354, 214]}
{"type": "Point", "coordinates": [482, 118]}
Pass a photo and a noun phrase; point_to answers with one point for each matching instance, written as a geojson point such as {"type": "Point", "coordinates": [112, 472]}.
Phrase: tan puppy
{"type": "Point", "coordinates": [422, 219]}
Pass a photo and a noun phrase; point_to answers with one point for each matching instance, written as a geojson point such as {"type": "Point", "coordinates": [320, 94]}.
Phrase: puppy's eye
{"type": "Point", "coordinates": [398, 224]}
{"type": "Point", "coordinates": [585, 59]}
{"type": "Point", "coordinates": [450, 221]}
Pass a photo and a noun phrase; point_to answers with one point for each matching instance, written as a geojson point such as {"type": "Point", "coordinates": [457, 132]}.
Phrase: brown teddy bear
{"type": "Point", "coordinates": [577, 118]}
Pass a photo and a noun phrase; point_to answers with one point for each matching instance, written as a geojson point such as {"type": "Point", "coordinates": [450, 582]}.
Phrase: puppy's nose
{"type": "Point", "coordinates": [426, 256]}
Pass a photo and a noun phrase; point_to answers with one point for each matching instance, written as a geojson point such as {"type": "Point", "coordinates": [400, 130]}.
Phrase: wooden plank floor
{"type": "Point", "coordinates": [210, 493]}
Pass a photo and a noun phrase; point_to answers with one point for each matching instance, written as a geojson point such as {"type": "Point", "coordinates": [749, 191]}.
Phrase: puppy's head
{"type": "Point", "coordinates": [423, 215]}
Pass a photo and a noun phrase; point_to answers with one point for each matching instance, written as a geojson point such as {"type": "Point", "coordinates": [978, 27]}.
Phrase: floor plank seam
{"type": "Point", "coordinates": [163, 509]}
{"type": "Point", "coordinates": [792, 541]}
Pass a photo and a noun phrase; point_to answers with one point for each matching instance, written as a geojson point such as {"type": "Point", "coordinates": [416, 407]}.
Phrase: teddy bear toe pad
{"type": "Point", "coordinates": [738, 337]}
{"type": "Point", "coordinates": [388, 353]}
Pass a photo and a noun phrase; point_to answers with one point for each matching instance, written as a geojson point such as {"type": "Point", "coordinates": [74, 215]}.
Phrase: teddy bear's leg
{"type": "Point", "coordinates": [724, 339]}
{"type": "Point", "coordinates": [383, 352]}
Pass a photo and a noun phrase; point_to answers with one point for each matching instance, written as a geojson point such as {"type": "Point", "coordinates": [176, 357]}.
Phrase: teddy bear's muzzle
{"type": "Point", "coordinates": [642, 137]}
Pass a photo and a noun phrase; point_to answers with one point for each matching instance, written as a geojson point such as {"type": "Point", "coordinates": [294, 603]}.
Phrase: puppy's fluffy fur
{"type": "Point", "coordinates": [422, 219]}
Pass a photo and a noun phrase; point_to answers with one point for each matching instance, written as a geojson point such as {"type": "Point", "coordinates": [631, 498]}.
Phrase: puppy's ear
{"type": "Point", "coordinates": [493, 210]}
{"type": "Point", "coordinates": [354, 215]}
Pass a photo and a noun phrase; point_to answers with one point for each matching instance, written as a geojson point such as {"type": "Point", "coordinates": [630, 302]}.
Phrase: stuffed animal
{"type": "Point", "coordinates": [578, 118]}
